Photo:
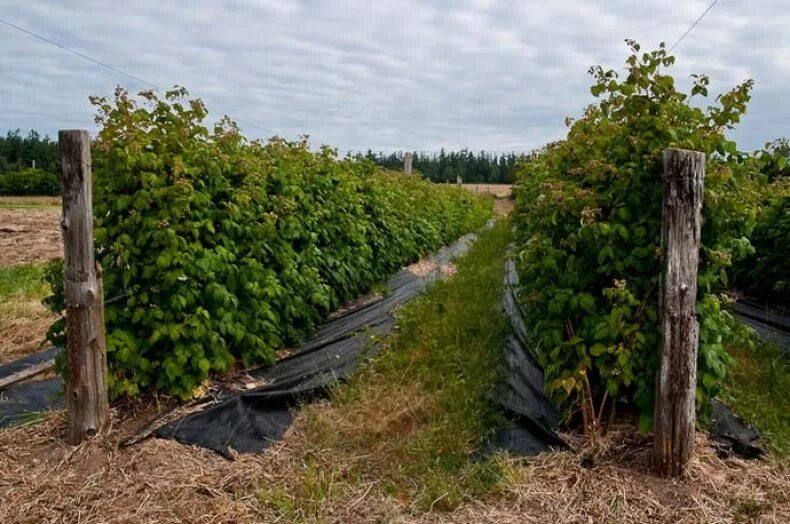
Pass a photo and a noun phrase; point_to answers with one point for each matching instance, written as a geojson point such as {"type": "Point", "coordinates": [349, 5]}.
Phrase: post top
{"type": "Point", "coordinates": [71, 132]}
{"type": "Point", "coordinates": [677, 150]}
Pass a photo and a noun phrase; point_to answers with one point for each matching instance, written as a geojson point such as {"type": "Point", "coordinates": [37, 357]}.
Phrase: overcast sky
{"type": "Point", "coordinates": [384, 74]}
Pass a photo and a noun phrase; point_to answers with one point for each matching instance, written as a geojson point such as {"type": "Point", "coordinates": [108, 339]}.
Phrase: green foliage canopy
{"type": "Point", "coordinates": [18, 156]}
{"type": "Point", "coordinates": [29, 181]}
{"type": "Point", "coordinates": [223, 249]}
{"type": "Point", "coordinates": [588, 218]}
{"type": "Point", "coordinates": [766, 273]}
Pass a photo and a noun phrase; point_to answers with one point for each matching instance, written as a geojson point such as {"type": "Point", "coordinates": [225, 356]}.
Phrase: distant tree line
{"type": "Point", "coordinates": [19, 151]}
{"type": "Point", "coordinates": [475, 168]}
{"type": "Point", "coordinates": [29, 164]}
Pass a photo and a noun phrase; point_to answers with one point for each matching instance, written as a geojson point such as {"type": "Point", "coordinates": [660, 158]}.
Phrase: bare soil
{"type": "Point", "coordinates": [29, 235]}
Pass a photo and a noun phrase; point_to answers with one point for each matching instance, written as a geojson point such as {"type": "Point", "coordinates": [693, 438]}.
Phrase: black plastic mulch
{"type": "Point", "coordinates": [20, 401]}
{"type": "Point", "coordinates": [533, 418]}
{"type": "Point", "coordinates": [730, 435]}
{"type": "Point", "coordinates": [771, 324]}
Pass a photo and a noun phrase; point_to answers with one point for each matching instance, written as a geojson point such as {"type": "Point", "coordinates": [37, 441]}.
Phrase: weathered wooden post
{"type": "Point", "coordinates": [675, 415]}
{"type": "Point", "coordinates": [86, 389]}
{"type": "Point", "coordinates": [407, 163]}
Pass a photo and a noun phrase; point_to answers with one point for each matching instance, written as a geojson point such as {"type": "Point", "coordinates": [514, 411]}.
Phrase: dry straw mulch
{"type": "Point", "coordinates": [23, 325]}
{"type": "Point", "coordinates": [618, 486]}
{"type": "Point", "coordinates": [45, 480]}
{"type": "Point", "coordinates": [29, 235]}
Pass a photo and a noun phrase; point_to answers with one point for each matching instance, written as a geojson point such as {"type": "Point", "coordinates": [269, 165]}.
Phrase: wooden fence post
{"type": "Point", "coordinates": [86, 390]}
{"type": "Point", "coordinates": [407, 163]}
{"type": "Point", "coordinates": [675, 415]}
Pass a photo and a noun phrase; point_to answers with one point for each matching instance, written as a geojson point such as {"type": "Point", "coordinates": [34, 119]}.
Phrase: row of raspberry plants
{"type": "Point", "coordinates": [224, 250]}
{"type": "Point", "coordinates": [588, 218]}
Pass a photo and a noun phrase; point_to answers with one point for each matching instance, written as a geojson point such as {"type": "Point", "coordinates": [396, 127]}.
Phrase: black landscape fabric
{"type": "Point", "coordinates": [19, 401]}
{"type": "Point", "coordinates": [9, 368]}
{"type": "Point", "coordinates": [771, 324]}
{"type": "Point", "coordinates": [533, 417]}
{"type": "Point", "coordinates": [730, 435]}
{"type": "Point", "coordinates": [251, 421]}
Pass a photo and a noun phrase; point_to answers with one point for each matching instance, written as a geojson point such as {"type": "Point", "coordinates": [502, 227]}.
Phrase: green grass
{"type": "Point", "coordinates": [27, 419]}
{"type": "Point", "coordinates": [28, 202]}
{"type": "Point", "coordinates": [23, 319]}
{"type": "Point", "coordinates": [22, 280]}
{"type": "Point", "coordinates": [449, 344]}
{"type": "Point", "coordinates": [758, 389]}
{"type": "Point", "coordinates": [408, 422]}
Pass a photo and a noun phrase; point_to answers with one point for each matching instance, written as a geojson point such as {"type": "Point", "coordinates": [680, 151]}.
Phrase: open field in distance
{"type": "Point", "coordinates": [498, 190]}
{"type": "Point", "coordinates": [28, 201]}
{"type": "Point", "coordinates": [29, 235]}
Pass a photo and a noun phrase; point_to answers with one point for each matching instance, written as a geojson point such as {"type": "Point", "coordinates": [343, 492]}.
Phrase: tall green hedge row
{"type": "Point", "coordinates": [765, 274]}
{"type": "Point", "coordinates": [588, 217]}
{"type": "Point", "coordinates": [29, 181]}
{"type": "Point", "coordinates": [224, 249]}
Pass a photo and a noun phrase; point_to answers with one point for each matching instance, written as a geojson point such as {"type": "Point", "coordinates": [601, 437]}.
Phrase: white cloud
{"type": "Point", "coordinates": [388, 74]}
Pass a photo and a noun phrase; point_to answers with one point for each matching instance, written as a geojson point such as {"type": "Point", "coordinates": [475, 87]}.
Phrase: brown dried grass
{"type": "Point", "coordinates": [29, 235]}
{"type": "Point", "coordinates": [45, 480]}
{"type": "Point", "coordinates": [310, 477]}
{"type": "Point", "coordinates": [23, 325]}
{"type": "Point", "coordinates": [621, 487]}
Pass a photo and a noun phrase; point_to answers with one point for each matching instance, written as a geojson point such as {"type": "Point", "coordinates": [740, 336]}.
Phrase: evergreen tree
{"type": "Point", "coordinates": [19, 152]}
{"type": "Point", "coordinates": [475, 168]}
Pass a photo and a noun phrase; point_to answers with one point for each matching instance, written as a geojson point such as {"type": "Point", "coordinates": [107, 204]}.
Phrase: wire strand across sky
{"type": "Point", "coordinates": [114, 69]}
{"type": "Point", "coordinates": [692, 26]}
